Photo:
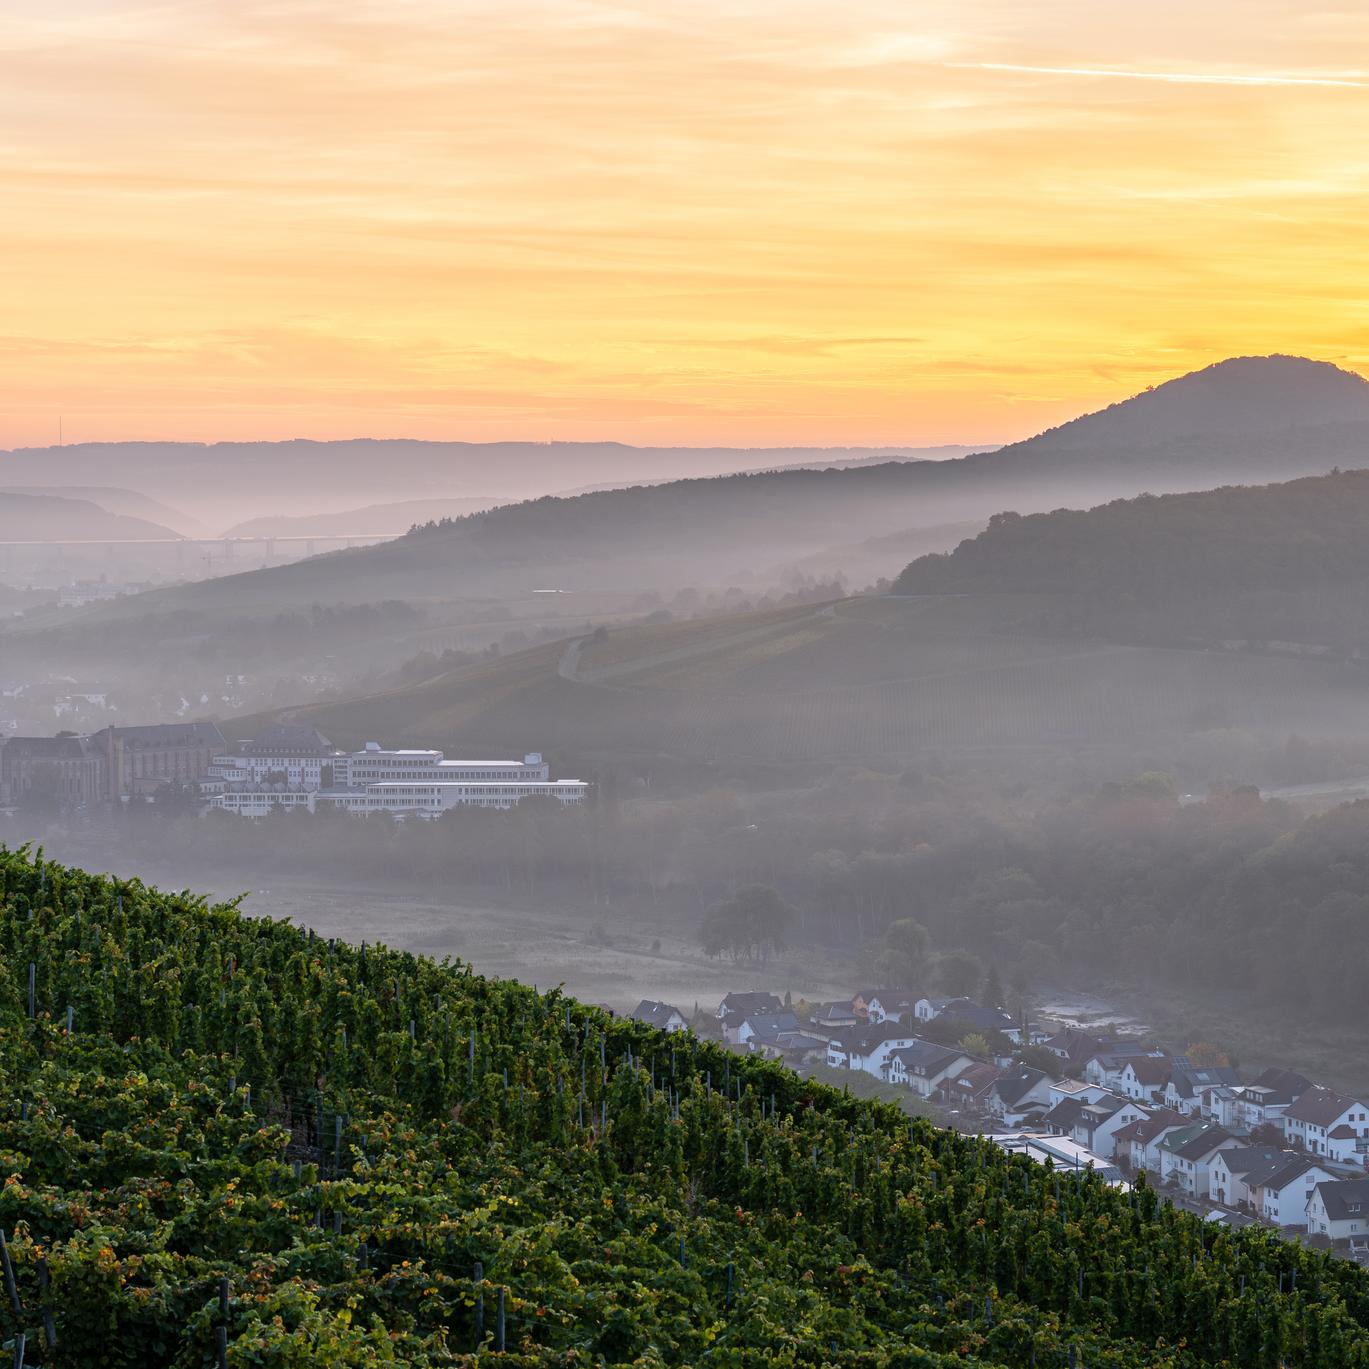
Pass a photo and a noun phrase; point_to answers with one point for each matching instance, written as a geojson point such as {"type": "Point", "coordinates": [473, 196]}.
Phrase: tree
{"type": "Point", "coordinates": [751, 925]}
{"type": "Point", "coordinates": [993, 995]}
{"type": "Point", "coordinates": [959, 973]}
{"type": "Point", "coordinates": [1203, 1055]}
{"type": "Point", "coordinates": [906, 944]}
{"type": "Point", "coordinates": [976, 1043]}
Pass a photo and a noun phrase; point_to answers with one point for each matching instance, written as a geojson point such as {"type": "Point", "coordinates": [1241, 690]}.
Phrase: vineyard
{"type": "Point", "coordinates": [226, 1141]}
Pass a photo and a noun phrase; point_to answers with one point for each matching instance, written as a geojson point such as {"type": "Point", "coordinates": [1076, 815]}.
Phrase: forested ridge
{"type": "Point", "coordinates": [1285, 562]}
{"type": "Point", "coordinates": [230, 1141]}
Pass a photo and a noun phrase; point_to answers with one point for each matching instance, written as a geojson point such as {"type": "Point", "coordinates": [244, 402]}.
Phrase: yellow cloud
{"type": "Point", "coordinates": [663, 221]}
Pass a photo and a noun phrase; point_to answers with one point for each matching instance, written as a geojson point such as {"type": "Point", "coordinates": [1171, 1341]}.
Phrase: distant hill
{"type": "Point", "coordinates": [229, 482]}
{"type": "Point", "coordinates": [1264, 413]}
{"type": "Point", "coordinates": [395, 518]}
{"type": "Point", "coordinates": [1286, 563]}
{"type": "Point", "coordinates": [48, 518]}
{"type": "Point", "coordinates": [120, 501]}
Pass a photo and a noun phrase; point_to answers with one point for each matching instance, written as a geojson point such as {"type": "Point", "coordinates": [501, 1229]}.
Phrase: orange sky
{"type": "Point", "coordinates": [771, 222]}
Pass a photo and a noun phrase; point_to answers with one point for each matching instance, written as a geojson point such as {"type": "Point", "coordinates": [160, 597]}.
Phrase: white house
{"type": "Point", "coordinates": [660, 1015]}
{"type": "Point", "coordinates": [1093, 1124]}
{"type": "Point", "coordinates": [1139, 1142]}
{"type": "Point", "coordinates": [1280, 1194]}
{"type": "Point", "coordinates": [924, 1066]}
{"type": "Point", "coordinates": [1226, 1176]}
{"type": "Point", "coordinates": [867, 1048]}
{"type": "Point", "coordinates": [1339, 1208]}
{"type": "Point", "coordinates": [1324, 1122]}
{"type": "Point", "coordinates": [1264, 1101]}
{"type": "Point", "coordinates": [1184, 1091]}
{"type": "Point", "coordinates": [928, 1009]}
{"type": "Point", "coordinates": [1020, 1094]}
{"type": "Point", "coordinates": [1143, 1077]}
{"type": "Point", "coordinates": [889, 1005]}
{"type": "Point", "coordinates": [766, 1026]}
{"type": "Point", "coordinates": [1186, 1156]}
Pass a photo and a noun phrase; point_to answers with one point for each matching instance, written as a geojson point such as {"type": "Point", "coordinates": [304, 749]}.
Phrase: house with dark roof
{"type": "Point", "coordinates": [1227, 1173]}
{"type": "Point", "coordinates": [867, 1047]}
{"type": "Point", "coordinates": [929, 1009]}
{"type": "Point", "coordinates": [1339, 1208]}
{"type": "Point", "coordinates": [660, 1015]}
{"type": "Point", "coordinates": [1093, 1123]}
{"type": "Point", "coordinates": [974, 1017]}
{"type": "Point", "coordinates": [1184, 1091]}
{"type": "Point", "coordinates": [748, 1002]}
{"type": "Point", "coordinates": [1186, 1156]}
{"type": "Point", "coordinates": [833, 1016]}
{"type": "Point", "coordinates": [1264, 1100]}
{"type": "Point", "coordinates": [1281, 1191]}
{"type": "Point", "coordinates": [890, 1005]}
{"type": "Point", "coordinates": [1075, 1046]}
{"type": "Point", "coordinates": [923, 1065]}
{"type": "Point", "coordinates": [1021, 1094]}
{"type": "Point", "coordinates": [1329, 1124]}
{"type": "Point", "coordinates": [766, 1025]}
{"type": "Point", "coordinates": [1143, 1077]}
{"type": "Point", "coordinates": [736, 1007]}
{"type": "Point", "coordinates": [969, 1089]}
{"type": "Point", "coordinates": [1138, 1142]}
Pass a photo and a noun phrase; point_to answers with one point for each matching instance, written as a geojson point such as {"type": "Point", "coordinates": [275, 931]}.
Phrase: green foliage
{"type": "Point", "coordinates": [750, 925]}
{"type": "Point", "coordinates": [377, 1151]}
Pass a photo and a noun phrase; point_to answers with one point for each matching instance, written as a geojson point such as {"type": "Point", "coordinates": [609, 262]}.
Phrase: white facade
{"type": "Point", "coordinates": [1287, 1205]}
{"type": "Point", "coordinates": [374, 765]}
{"type": "Point", "coordinates": [424, 799]}
{"type": "Point", "coordinates": [1063, 1154]}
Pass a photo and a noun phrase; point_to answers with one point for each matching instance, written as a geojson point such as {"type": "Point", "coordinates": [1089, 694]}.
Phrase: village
{"type": "Point", "coordinates": [1275, 1148]}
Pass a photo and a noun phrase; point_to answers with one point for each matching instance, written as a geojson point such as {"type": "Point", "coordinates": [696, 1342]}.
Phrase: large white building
{"type": "Point", "coordinates": [292, 767]}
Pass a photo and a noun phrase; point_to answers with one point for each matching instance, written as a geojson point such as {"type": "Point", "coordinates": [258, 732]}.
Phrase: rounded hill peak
{"type": "Point", "coordinates": [1232, 398]}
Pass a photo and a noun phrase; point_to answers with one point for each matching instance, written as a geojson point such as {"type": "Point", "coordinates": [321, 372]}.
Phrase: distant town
{"type": "Point", "coordinates": [1273, 1148]}
{"type": "Point", "coordinates": [286, 767]}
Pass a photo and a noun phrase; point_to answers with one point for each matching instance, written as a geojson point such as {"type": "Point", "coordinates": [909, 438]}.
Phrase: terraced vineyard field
{"type": "Point", "coordinates": [231, 1142]}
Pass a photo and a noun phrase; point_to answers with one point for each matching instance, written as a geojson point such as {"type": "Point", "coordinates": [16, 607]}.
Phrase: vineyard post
{"type": "Point", "coordinates": [44, 1289]}
{"type": "Point", "coordinates": [499, 1322]}
{"type": "Point", "coordinates": [20, 1341]}
{"type": "Point", "coordinates": [479, 1304]}
{"type": "Point", "coordinates": [33, 989]}
{"type": "Point", "coordinates": [10, 1286]}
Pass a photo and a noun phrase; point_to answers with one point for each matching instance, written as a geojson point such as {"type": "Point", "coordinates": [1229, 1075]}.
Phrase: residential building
{"type": "Point", "coordinates": [833, 1016]}
{"type": "Point", "coordinates": [1339, 1208]}
{"type": "Point", "coordinates": [1184, 1091]}
{"type": "Point", "coordinates": [1020, 1095]}
{"type": "Point", "coordinates": [1143, 1077]}
{"type": "Point", "coordinates": [1281, 1192]}
{"type": "Point", "coordinates": [923, 1065]}
{"type": "Point", "coordinates": [766, 1026]}
{"type": "Point", "coordinates": [1186, 1156]}
{"type": "Point", "coordinates": [867, 1047]}
{"type": "Point", "coordinates": [1138, 1143]}
{"type": "Point", "coordinates": [1324, 1122]}
{"type": "Point", "coordinates": [889, 1005]}
{"type": "Point", "coordinates": [737, 1007]}
{"type": "Point", "coordinates": [971, 1017]}
{"type": "Point", "coordinates": [1226, 1177]}
{"type": "Point", "coordinates": [660, 1015]}
{"type": "Point", "coordinates": [928, 1009]}
{"type": "Point", "coordinates": [1093, 1125]}
{"type": "Point", "coordinates": [1264, 1100]}
{"type": "Point", "coordinates": [969, 1089]}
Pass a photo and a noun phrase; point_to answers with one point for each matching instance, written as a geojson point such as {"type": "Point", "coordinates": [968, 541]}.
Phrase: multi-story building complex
{"type": "Point", "coordinates": [141, 760]}
{"type": "Point", "coordinates": [295, 768]}
{"type": "Point", "coordinates": [67, 770]}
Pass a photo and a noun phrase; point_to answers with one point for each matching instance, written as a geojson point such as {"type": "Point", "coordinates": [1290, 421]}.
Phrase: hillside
{"type": "Point", "coordinates": [728, 529]}
{"type": "Point", "coordinates": [1283, 563]}
{"type": "Point", "coordinates": [880, 682]}
{"type": "Point", "coordinates": [1261, 403]}
{"type": "Point", "coordinates": [121, 501]}
{"type": "Point", "coordinates": [229, 482]}
{"type": "Point", "coordinates": [229, 1132]}
{"type": "Point", "coordinates": [49, 518]}
{"type": "Point", "coordinates": [395, 519]}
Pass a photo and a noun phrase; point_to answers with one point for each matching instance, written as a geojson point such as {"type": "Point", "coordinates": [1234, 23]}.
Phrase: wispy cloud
{"type": "Point", "coordinates": [1182, 78]}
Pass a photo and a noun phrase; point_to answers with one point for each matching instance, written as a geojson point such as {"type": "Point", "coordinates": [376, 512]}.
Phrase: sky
{"type": "Point", "coordinates": [770, 223]}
